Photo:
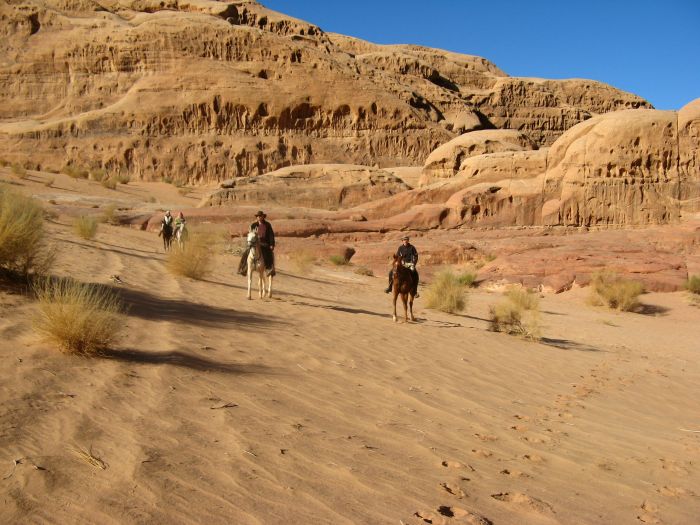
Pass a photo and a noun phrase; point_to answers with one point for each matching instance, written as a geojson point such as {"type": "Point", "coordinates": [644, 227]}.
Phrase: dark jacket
{"type": "Point", "coordinates": [269, 239]}
{"type": "Point", "coordinates": [408, 253]}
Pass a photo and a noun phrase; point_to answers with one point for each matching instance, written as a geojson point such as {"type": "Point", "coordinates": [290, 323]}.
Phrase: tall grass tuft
{"type": "Point", "coordinates": [446, 293]}
{"type": "Point", "coordinates": [85, 227]}
{"type": "Point", "coordinates": [109, 215]}
{"type": "Point", "coordinates": [303, 261]}
{"type": "Point", "coordinates": [194, 260]}
{"type": "Point", "coordinates": [19, 171]}
{"type": "Point", "coordinates": [693, 284]}
{"type": "Point", "coordinates": [467, 279]}
{"type": "Point", "coordinates": [613, 291]}
{"type": "Point", "coordinates": [22, 238]}
{"type": "Point", "coordinates": [339, 260]}
{"type": "Point", "coordinates": [517, 314]}
{"type": "Point", "coordinates": [80, 318]}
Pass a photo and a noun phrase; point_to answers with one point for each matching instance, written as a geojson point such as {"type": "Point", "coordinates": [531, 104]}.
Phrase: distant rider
{"type": "Point", "coordinates": [409, 257]}
{"type": "Point", "coordinates": [180, 221]}
{"type": "Point", "coordinates": [166, 222]}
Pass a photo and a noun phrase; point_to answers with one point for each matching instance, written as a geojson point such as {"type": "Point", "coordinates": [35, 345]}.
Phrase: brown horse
{"type": "Point", "coordinates": [403, 284]}
{"type": "Point", "coordinates": [166, 231]}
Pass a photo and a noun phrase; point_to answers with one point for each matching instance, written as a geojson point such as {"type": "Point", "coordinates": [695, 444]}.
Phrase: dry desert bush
{"type": "Point", "coordinates": [467, 279]}
{"type": "Point", "coordinates": [363, 270]}
{"type": "Point", "coordinates": [22, 238]}
{"type": "Point", "coordinates": [75, 172]}
{"type": "Point", "coordinates": [19, 171]}
{"type": "Point", "coordinates": [123, 178]}
{"type": "Point", "coordinates": [517, 314]}
{"type": "Point", "coordinates": [80, 318]}
{"type": "Point", "coordinates": [339, 260]}
{"type": "Point", "coordinates": [110, 184]}
{"type": "Point", "coordinates": [693, 284]}
{"type": "Point", "coordinates": [303, 260]}
{"type": "Point", "coordinates": [109, 215]}
{"type": "Point", "coordinates": [49, 181]}
{"type": "Point", "coordinates": [446, 293]}
{"type": "Point", "coordinates": [194, 260]}
{"type": "Point", "coordinates": [85, 227]}
{"type": "Point", "coordinates": [98, 174]}
{"type": "Point", "coordinates": [613, 291]}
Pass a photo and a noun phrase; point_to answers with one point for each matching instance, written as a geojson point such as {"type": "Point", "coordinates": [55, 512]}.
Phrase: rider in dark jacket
{"type": "Point", "coordinates": [409, 255]}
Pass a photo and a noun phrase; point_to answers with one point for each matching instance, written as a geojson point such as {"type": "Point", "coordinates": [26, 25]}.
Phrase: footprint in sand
{"type": "Point", "coordinates": [674, 492]}
{"type": "Point", "coordinates": [486, 437]}
{"type": "Point", "coordinates": [525, 501]}
{"type": "Point", "coordinates": [452, 515]}
{"type": "Point", "coordinates": [514, 473]}
{"type": "Point", "coordinates": [454, 490]}
{"type": "Point", "coordinates": [482, 453]}
{"type": "Point", "coordinates": [534, 458]}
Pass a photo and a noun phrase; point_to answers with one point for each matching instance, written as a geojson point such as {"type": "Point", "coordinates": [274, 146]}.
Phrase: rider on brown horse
{"type": "Point", "coordinates": [409, 256]}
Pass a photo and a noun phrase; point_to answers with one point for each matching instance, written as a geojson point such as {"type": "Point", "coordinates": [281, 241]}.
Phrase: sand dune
{"type": "Point", "coordinates": [314, 407]}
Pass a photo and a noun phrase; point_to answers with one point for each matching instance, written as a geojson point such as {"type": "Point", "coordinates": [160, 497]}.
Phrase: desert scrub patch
{"type": "Point", "coordinates": [123, 178]}
{"type": "Point", "coordinates": [303, 260]}
{"type": "Point", "coordinates": [75, 172]}
{"type": "Point", "coordinates": [339, 260]}
{"type": "Point", "coordinates": [79, 318]}
{"type": "Point", "coordinates": [363, 270]}
{"type": "Point", "coordinates": [193, 260]}
{"type": "Point", "coordinates": [110, 184]}
{"type": "Point", "coordinates": [19, 171]}
{"type": "Point", "coordinates": [23, 247]}
{"type": "Point", "coordinates": [446, 293]}
{"type": "Point", "coordinates": [517, 314]}
{"type": "Point", "coordinates": [693, 284]}
{"type": "Point", "coordinates": [613, 291]}
{"type": "Point", "coordinates": [467, 279]}
{"type": "Point", "coordinates": [85, 227]}
{"type": "Point", "coordinates": [109, 215]}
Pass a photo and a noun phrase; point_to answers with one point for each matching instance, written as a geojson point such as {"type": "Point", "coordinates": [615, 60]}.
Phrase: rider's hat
{"type": "Point", "coordinates": [404, 238]}
{"type": "Point", "coordinates": [260, 214]}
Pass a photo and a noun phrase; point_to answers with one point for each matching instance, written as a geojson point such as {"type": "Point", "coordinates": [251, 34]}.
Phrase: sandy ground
{"type": "Point", "coordinates": [314, 407]}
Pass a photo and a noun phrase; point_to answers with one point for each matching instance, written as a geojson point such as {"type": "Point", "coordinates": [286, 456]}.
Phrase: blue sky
{"type": "Point", "coordinates": [648, 47]}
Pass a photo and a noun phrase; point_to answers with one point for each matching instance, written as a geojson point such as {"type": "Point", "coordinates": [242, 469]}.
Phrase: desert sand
{"type": "Point", "coordinates": [314, 407]}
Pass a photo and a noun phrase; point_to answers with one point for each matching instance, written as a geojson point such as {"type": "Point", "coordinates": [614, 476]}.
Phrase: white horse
{"type": "Point", "coordinates": [181, 235]}
{"type": "Point", "coordinates": [256, 263]}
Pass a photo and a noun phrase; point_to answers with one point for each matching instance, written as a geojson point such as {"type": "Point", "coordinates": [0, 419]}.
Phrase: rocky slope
{"type": "Point", "coordinates": [204, 91]}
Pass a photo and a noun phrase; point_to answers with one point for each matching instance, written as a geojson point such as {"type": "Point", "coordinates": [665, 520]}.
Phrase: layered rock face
{"type": "Point", "coordinates": [205, 91]}
{"type": "Point", "coordinates": [324, 186]}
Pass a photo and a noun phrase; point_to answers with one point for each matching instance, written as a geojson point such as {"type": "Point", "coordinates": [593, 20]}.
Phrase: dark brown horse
{"type": "Point", "coordinates": [166, 231]}
{"type": "Point", "coordinates": [403, 284]}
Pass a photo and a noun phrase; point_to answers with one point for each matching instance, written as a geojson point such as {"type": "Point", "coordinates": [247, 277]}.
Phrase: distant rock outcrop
{"type": "Point", "coordinates": [205, 91]}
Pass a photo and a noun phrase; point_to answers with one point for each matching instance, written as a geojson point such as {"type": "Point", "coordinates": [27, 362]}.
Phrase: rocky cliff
{"type": "Point", "coordinates": [204, 91]}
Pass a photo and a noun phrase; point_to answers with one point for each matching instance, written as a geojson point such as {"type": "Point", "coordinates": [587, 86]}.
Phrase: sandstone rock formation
{"type": "Point", "coordinates": [325, 186]}
{"type": "Point", "coordinates": [204, 91]}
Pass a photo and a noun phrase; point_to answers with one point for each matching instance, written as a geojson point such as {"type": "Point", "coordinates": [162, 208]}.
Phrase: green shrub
{"type": "Point", "coordinates": [123, 178]}
{"type": "Point", "coordinates": [446, 293]}
{"type": "Point", "coordinates": [613, 291]}
{"type": "Point", "coordinates": [338, 260]}
{"type": "Point", "coordinates": [85, 227]}
{"type": "Point", "coordinates": [467, 279]}
{"type": "Point", "coordinates": [22, 237]}
{"type": "Point", "coordinates": [693, 284]}
{"type": "Point", "coordinates": [98, 174]}
{"type": "Point", "coordinates": [523, 298]}
{"type": "Point", "coordinates": [79, 318]}
{"type": "Point", "coordinates": [193, 261]}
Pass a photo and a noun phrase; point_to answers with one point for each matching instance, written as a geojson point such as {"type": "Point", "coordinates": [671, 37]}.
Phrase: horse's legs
{"type": "Point", "coordinates": [410, 305]}
{"type": "Point", "coordinates": [269, 285]}
{"type": "Point", "coordinates": [250, 278]}
{"type": "Point", "coordinates": [261, 283]}
{"type": "Point", "coordinates": [396, 295]}
{"type": "Point", "coordinates": [404, 299]}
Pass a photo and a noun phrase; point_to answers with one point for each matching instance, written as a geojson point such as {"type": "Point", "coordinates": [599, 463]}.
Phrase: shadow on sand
{"type": "Point", "coordinates": [183, 360]}
{"type": "Point", "coordinates": [153, 308]}
{"type": "Point", "coordinates": [565, 344]}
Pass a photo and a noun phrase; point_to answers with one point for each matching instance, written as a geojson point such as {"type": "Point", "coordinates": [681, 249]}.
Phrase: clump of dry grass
{"type": "Point", "coordinates": [303, 260]}
{"type": "Point", "coordinates": [19, 171]}
{"type": "Point", "coordinates": [363, 270]}
{"type": "Point", "coordinates": [446, 293]}
{"type": "Point", "coordinates": [22, 239]}
{"type": "Point", "coordinates": [110, 184]}
{"type": "Point", "coordinates": [194, 260]}
{"type": "Point", "coordinates": [467, 279]}
{"type": "Point", "coordinates": [611, 290]}
{"type": "Point", "coordinates": [85, 227]}
{"type": "Point", "coordinates": [80, 318]}
{"type": "Point", "coordinates": [693, 284]}
{"type": "Point", "coordinates": [49, 181]}
{"type": "Point", "coordinates": [123, 178]}
{"type": "Point", "coordinates": [339, 260]}
{"type": "Point", "coordinates": [109, 215]}
{"type": "Point", "coordinates": [75, 172]}
{"type": "Point", "coordinates": [98, 174]}
{"type": "Point", "coordinates": [517, 314]}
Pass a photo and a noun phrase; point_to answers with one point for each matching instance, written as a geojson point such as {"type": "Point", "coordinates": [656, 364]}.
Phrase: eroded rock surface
{"type": "Point", "coordinates": [205, 91]}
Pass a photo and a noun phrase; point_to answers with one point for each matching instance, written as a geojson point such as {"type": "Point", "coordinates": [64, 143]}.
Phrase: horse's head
{"type": "Point", "coordinates": [397, 261]}
{"type": "Point", "coordinates": [252, 238]}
